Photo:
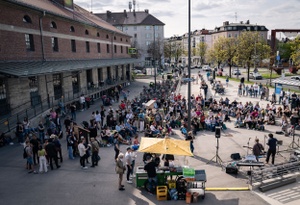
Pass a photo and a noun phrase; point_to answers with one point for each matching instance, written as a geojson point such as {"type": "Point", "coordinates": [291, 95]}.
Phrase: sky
{"type": "Point", "coordinates": [274, 14]}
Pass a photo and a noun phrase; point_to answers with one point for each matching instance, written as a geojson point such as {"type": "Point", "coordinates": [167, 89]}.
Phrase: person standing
{"type": "Point", "coordinates": [120, 168]}
{"type": "Point", "coordinates": [257, 149]}
{"type": "Point", "coordinates": [41, 130]}
{"type": "Point", "coordinates": [29, 153]}
{"type": "Point", "coordinates": [73, 111]}
{"type": "Point", "coordinates": [150, 168]}
{"type": "Point", "coordinates": [95, 152]}
{"type": "Point", "coordinates": [70, 143]}
{"type": "Point", "coordinates": [35, 147]}
{"type": "Point", "coordinates": [272, 142]}
{"type": "Point", "coordinates": [52, 153]}
{"type": "Point", "coordinates": [128, 159]}
{"type": "Point", "coordinates": [43, 160]}
{"type": "Point", "coordinates": [82, 153]}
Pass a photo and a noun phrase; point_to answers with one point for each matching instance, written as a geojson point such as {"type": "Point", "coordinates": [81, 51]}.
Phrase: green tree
{"type": "Point", "coordinates": [250, 49]}
{"type": "Point", "coordinates": [201, 49]}
{"type": "Point", "coordinates": [217, 53]}
{"type": "Point", "coordinates": [295, 51]}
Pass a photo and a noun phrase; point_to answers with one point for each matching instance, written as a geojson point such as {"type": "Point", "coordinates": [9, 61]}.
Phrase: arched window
{"type": "Point", "coordinates": [72, 29]}
{"type": "Point", "coordinates": [86, 32]}
{"type": "Point", "coordinates": [107, 36]}
{"type": "Point", "coordinates": [115, 38]}
{"type": "Point", "coordinates": [121, 39]}
{"type": "Point", "coordinates": [53, 24]}
{"type": "Point", "coordinates": [27, 19]}
{"type": "Point", "coordinates": [98, 34]}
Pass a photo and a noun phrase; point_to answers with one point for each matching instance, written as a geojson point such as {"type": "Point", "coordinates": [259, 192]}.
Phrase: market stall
{"type": "Point", "coordinates": [174, 182]}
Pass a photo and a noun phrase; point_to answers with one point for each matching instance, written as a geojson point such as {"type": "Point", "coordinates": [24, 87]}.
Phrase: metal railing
{"type": "Point", "coordinates": [278, 171]}
{"type": "Point", "coordinates": [8, 122]}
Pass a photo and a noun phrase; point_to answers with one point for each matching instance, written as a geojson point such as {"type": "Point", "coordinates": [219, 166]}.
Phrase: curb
{"type": "Point", "coordinates": [228, 189]}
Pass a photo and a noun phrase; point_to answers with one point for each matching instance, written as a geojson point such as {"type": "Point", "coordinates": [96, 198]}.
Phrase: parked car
{"type": "Point", "coordinates": [137, 71]}
{"type": "Point", "coordinates": [206, 68]}
{"type": "Point", "coordinates": [255, 76]}
{"type": "Point", "coordinates": [296, 78]}
{"type": "Point", "coordinates": [236, 71]}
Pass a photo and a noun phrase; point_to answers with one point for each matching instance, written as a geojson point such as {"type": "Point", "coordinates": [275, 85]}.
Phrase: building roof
{"type": "Point", "coordinates": [34, 68]}
{"type": "Point", "coordinates": [129, 18]}
{"type": "Point", "coordinates": [286, 81]}
{"type": "Point", "coordinates": [240, 26]}
{"type": "Point", "coordinates": [76, 14]}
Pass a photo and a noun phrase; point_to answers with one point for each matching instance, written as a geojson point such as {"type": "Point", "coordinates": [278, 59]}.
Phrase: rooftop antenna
{"type": "Point", "coordinates": [130, 6]}
{"type": "Point", "coordinates": [235, 16]}
{"type": "Point", "coordinates": [91, 6]}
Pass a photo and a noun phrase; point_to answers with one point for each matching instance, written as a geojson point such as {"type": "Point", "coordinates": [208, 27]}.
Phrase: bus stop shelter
{"type": "Point", "coordinates": [279, 82]}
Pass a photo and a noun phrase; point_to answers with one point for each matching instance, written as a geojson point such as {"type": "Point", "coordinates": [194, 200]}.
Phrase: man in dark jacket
{"type": "Point", "coordinates": [272, 142]}
{"type": "Point", "coordinates": [52, 153]}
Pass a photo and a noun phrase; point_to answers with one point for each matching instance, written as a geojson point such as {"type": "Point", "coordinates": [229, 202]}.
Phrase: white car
{"type": "Point", "coordinates": [137, 71]}
{"type": "Point", "coordinates": [236, 71]}
{"type": "Point", "coordinates": [206, 68]}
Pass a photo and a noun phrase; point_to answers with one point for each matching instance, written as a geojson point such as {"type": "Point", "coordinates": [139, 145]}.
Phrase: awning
{"type": "Point", "coordinates": [286, 81]}
{"type": "Point", "coordinates": [165, 146]}
{"type": "Point", "coordinates": [34, 68]}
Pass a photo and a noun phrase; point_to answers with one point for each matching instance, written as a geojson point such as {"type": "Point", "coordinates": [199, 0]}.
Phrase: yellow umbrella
{"type": "Point", "coordinates": [165, 146]}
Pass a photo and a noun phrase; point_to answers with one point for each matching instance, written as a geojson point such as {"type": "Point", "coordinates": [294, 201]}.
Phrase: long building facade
{"type": "Point", "coordinates": [54, 50]}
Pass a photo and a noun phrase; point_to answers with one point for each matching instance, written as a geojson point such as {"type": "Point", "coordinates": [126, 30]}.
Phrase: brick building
{"type": "Point", "coordinates": [53, 50]}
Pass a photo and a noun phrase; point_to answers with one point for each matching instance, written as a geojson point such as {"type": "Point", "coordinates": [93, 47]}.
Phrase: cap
{"type": "Point", "coordinates": [129, 148]}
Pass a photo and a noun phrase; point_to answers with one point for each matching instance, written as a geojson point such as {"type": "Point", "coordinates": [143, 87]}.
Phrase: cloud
{"type": "Point", "coordinates": [206, 6]}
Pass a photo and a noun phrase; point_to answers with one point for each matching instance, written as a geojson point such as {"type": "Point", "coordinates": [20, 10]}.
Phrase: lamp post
{"type": "Point", "coordinates": [153, 61]}
{"type": "Point", "coordinates": [189, 65]}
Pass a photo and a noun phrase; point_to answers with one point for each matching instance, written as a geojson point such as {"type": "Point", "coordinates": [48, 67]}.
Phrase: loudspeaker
{"type": "Point", "coordinates": [235, 156]}
{"type": "Point", "coordinates": [217, 132]}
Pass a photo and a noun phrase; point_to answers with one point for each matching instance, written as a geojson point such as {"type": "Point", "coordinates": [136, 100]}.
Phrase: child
{"type": "Point", "coordinates": [42, 158]}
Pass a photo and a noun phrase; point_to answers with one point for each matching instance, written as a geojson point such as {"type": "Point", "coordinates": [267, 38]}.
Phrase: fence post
{"type": "Point", "coordinates": [34, 111]}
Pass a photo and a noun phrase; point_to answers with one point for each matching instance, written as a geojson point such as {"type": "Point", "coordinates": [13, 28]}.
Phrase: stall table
{"type": "Point", "coordinates": [141, 176]}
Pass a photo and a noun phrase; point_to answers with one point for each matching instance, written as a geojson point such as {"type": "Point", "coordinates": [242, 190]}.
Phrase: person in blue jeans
{"type": "Point", "coordinates": [150, 168]}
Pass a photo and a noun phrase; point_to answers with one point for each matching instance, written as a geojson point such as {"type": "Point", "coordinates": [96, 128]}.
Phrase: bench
{"type": "Point", "coordinates": [275, 184]}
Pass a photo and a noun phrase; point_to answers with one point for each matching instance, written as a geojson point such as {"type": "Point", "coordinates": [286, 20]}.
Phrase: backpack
{"type": "Point", "coordinates": [25, 153]}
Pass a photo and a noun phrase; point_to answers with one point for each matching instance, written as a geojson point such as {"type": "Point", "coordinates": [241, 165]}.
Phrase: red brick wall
{"type": "Point", "coordinates": [12, 44]}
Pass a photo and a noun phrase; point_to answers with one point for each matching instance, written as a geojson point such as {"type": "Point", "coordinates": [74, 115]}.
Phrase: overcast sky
{"type": "Point", "coordinates": [208, 14]}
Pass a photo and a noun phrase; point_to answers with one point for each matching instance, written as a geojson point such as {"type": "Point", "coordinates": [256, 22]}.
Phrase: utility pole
{"type": "Point", "coordinates": [153, 61]}
{"type": "Point", "coordinates": [189, 66]}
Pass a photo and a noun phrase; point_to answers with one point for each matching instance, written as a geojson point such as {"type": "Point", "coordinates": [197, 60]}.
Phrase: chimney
{"type": "Point", "coordinates": [247, 22]}
{"type": "Point", "coordinates": [108, 14]}
{"type": "Point", "coordinates": [125, 13]}
{"type": "Point", "coordinates": [147, 11]}
{"type": "Point", "coordinates": [134, 12]}
{"type": "Point", "coordinates": [241, 22]}
{"type": "Point", "coordinates": [226, 23]}
{"type": "Point", "coordinates": [69, 4]}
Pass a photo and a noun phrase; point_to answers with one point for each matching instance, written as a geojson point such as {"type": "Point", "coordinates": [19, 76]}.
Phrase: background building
{"type": "Point", "coordinates": [144, 29]}
{"type": "Point", "coordinates": [53, 50]}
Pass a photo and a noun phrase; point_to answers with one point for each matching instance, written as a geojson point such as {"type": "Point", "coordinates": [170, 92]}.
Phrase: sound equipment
{"type": "Point", "coordinates": [250, 164]}
{"type": "Point", "coordinates": [231, 168]}
{"type": "Point", "coordinates": [235, 156]}
{"type": "Point", "coordinates": [217, 132]}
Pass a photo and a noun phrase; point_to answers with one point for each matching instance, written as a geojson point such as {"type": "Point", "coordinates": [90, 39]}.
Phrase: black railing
{"type": "Point", "coordinates": [9, 121]}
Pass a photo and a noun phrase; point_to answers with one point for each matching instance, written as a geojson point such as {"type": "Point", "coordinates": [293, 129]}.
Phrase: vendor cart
{"type": "Point", "coordinates": [196, 186]}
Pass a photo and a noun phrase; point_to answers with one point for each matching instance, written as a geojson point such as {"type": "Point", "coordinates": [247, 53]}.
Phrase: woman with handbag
{"type": "Point", "coordinates": [120, 169]}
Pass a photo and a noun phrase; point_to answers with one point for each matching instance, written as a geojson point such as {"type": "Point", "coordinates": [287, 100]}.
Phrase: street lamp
{"type": "Point", "coordinates": [153, 60]}
{"type": "Point", "coordinates": [189, 65]}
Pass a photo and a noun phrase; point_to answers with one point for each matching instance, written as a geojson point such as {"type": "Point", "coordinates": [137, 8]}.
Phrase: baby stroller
{"type": "Point", "coordinates": [220, 91]}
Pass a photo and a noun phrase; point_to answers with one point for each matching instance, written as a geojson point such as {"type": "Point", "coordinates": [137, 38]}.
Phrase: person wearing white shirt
{"type": "Point", "coordinates": [128, 160]}
{"type": "Point", "coordinates": [98, 119]}
{"type": "Point", "coordinates": [82, 153]}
